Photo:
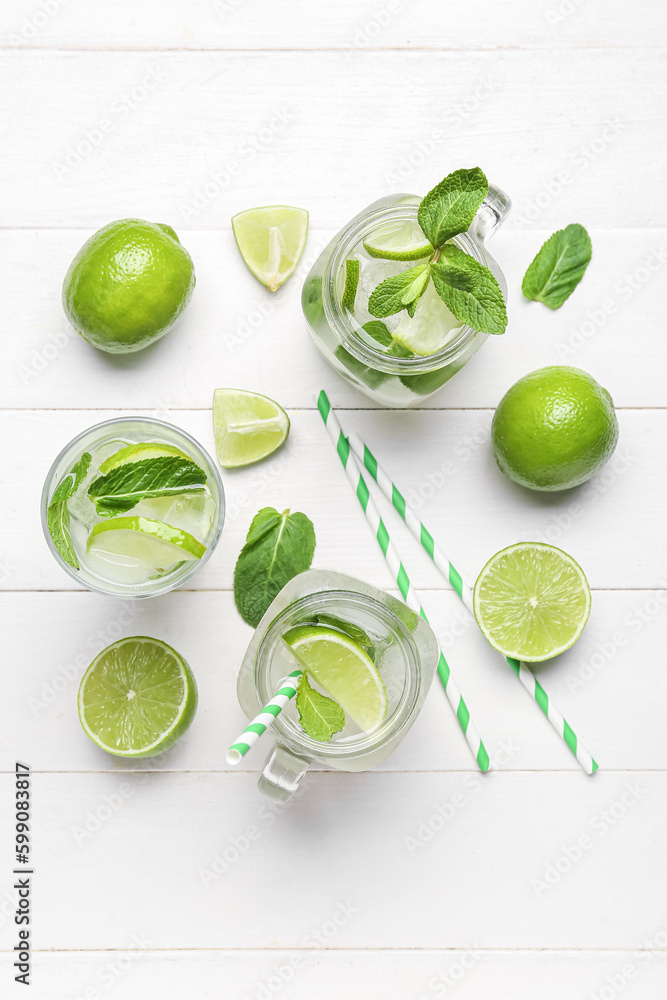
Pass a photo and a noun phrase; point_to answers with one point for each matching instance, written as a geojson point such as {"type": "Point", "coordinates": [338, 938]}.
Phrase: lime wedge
{"type": "Point", "coordinates": [154, 544]}
{"type": "Point", "coordinates": [398, 241]}
{"type": "Point", "coordinates": [431, 327]}
{"type": "Point", "coordinates": [351, 283]}
{"type": "Point", "coordinates": [247, 427]}
{"type": "Point", "coordinates": [532, 601]}
{"type": "Point", "coordinates": [139, 452]}
{"type": "Point", "coordinates": [271, 241]}
{"type": "Point", "coordinates": [343, 669]}
{"type": "Point", "coordinates": [137, 697]}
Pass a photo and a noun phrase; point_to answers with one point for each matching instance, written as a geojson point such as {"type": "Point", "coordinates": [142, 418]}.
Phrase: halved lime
{"type": "Point", "coordinates": [431, 327]}
{"type": "Point", "coordinates": [137, 697]}
{"type": "Point", "coordinates": [140, 452]}
{"type": "Point", "coordinates": [271, 240]}
{"type": "Point", "coordinates": [343, 669]}
{"type": "Point", "coordinates": [532, 601]}
{"type": "Point", "coordinates": [152, 543]}
{"type": "Point", "coordinates": [247, 426]}
{"type": "Point", "coordinates": [398, 241]}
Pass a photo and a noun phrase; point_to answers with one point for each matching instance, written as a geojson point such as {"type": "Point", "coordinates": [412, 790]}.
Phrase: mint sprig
{"type": "Point", "coordinates": [558, 266]}
{"type": "Point", "coordinates": [122, 488]}
{"type": "Point", "coordinates": [320, 717]}
{"type": "Point", "coordinates": [468, 288]}
{"type": "Point", "coordinates": [277, 548]}
{"type": "Point", "coordinates": [57, 514]}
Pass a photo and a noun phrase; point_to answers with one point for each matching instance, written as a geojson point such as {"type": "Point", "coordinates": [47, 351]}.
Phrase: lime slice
{"type": "Point", "coordinates": [154, 544]}
{"type": "Point", "coordinates": [343, 669]}
{"type": "Point", "coordinates": [351, 282]}
{"type": "Point", "coordinates": [271, 241]}
{"type": "Point", "coordinates": [431, 327]}
{"type": "Point", "coordinates": [532, 601]}
{"type": "Point", "coordinates": [139, 452]}
{"type": "Point", "coordinates": [192, 512]}
{"type": "Point", "coordinates": [247, 426]}
{"type": "Point", "coordinates": [398, 241]}
{"type": "Point", "coordinates": [355, 633]}
{"type": "Point", "coordinates": [137, 697]}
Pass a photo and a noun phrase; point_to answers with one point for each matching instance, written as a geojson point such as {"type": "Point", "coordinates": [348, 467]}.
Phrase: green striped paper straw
{"type": "Point", "coordinates": [261, 722]}
{"type": "Point", "coordinates": [450, 573]}
{"type": "Point", "coordinates": [397, 569]}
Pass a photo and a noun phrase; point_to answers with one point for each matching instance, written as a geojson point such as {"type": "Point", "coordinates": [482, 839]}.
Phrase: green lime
{"type": "Point", "coordinates": [532, 601]}
{"type": "Point", "coordinates": [345, 670]}
{"type": "Point", "coordinates": [139, 452]}
{"type": "Point", "coordinates": [154, 544]}
{"type": "Point", "coordinates": [398, 240]}
{"type": "Point", "coordinates": [247, 426]}
{"type": "Point", "coordinates": [271, 240]}
{"type": "Point", "coordinates": [554, 429]}
{"type": "Point", "coordinates": [137, 697]}
{"type": "Point", "coordinates": [127, 285]}
{"type": "Point", "coordinates": [351, 283]}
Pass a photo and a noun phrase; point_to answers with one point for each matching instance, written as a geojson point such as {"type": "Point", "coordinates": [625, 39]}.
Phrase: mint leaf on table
{"type": "Point", "coordinates": [482, 305]}
{"type": "Point", "coordinates": [558, 267]}
{"type": "Point", "coordinates": [123, 487]}
{"type": "Point", "coordinates": [320, 717]}
{"type": "Point", "coordinates": [278, 547]}
{"type": "Point", "coordinates": [57, 514]}
{"type": "Point", "coordinates": [388, 297]}
{"type": "Point", "coordinates": [449, 208]}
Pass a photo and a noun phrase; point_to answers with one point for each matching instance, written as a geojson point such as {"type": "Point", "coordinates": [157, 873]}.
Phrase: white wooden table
{"type": "Point", "coordinates": [422, 879]}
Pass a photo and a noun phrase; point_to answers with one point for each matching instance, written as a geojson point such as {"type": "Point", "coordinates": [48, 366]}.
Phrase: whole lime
{"type": "Point", "coordinates": [554, 428]}
{"type": "Point", "coordinates": [127, 285]}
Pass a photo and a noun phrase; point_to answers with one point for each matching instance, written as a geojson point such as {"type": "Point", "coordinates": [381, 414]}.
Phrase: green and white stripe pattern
{"type": "Point", "coordinates": [397, 569]}
{"type": "Point", "coordinates": [450, 573]}
{"type": "Point", "coordinates": [261, 722]}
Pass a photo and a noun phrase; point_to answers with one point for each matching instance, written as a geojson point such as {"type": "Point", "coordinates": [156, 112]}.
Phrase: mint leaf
{"type": "Point", "coordinates": [320, 717]}
{"type": "Point", "coordinates": [380, 332]}
{"type": "Point", "coordinates": [57, 514]}
{"type": "Point", "coordinates": [558, 267]}
{"type": "Point", "coordinates": [387, 298]}
{"type": "Point", "coordinates": [453, 274]}
{"type": "Point", "coordinates": [416, 289]}
{"type": "Point", "coordinates": [278, 547]}
{"type": "Point", "coordinates": [126, 485]}
{"type": "Point", "coordinates": [482, 307]}
{"type": "Point", "coordinates": [449, 208]}
{"type": "Point", "coordinates": [351, 282]}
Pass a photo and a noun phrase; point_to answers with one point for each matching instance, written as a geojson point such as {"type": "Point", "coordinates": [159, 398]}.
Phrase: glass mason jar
{"type": "Point", "coordinates": [201, 515]}
{"type": "Point", "coordinates": [405, 653]}
{"type": "Point", "coordinates": [392, 381]}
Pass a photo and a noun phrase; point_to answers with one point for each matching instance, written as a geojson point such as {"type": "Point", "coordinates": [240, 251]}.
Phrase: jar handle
{"type": "Point", "coordinates": [491, 214]}
{"type": "Point", "coordinates": [282, 774]}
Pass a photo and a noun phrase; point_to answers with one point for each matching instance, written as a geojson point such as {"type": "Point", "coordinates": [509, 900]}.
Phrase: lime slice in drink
{"type": "Point", "coordinates": [351, 283]}
{"type": "Point", "coordinates": [271, 241]}
{"type": "Point", "coordinates": [398, 241]}
{"type": "Point", "coordinates": [247, 426]}
{"type": "Point", "coordinates": [139, 452]}
{"type": "Point", "coordinates": [153, 544]}
{"type": "Point", "coordinates": [532, 601]}
{"type": "Point", "coordinates": [137, 697]}
{"type": "Point", "coordinates": [346, 672]}
{"type": "Point", "coordinates": [431, 327]}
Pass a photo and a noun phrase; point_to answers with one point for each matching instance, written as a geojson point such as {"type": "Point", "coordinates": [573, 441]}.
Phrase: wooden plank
{"type": "Point", "coordinates": [235, 332]}
{"type": "Point", "coordinates": [610, 686]}
{"type": "Point", "coordinates": [474, 973]}
{"type": "Point", "coordinates": [164, 136]}
{"type": "Point", "coordinates": [450, 477]}
{"type": "Point", "coordinates": [518, 861]}
{"type": "Point", "coordinates": [350, 24]}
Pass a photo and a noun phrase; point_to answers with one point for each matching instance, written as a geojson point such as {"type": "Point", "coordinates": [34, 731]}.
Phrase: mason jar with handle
{"type": "Point", "coordinates": [392, 378]}
{"type": "Point", "coordinates": [401, 644]}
